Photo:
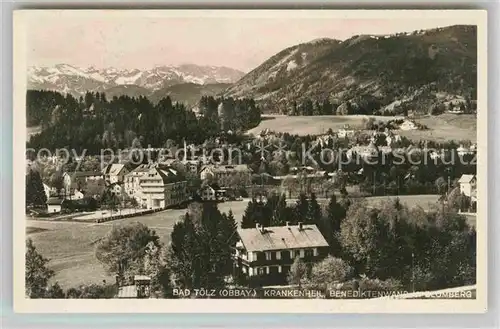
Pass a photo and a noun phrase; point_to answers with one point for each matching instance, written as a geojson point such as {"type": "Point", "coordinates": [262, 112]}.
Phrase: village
{"type": "Point", "coordinates": [163, 183]}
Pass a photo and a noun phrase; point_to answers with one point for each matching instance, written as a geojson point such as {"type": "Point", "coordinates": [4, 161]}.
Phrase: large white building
{"type": "Point", "coordinates": [156, 187]}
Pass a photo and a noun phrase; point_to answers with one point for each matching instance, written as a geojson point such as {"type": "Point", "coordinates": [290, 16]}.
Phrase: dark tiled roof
{"type": "Point", "coordinates": [54, 201]}
{"type": "Point", "coordinates": [86, 173]}
{"type": "Point", "coordinates": [282, 237]}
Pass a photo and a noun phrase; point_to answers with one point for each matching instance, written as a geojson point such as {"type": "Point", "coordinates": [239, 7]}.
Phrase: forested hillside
{"type": "Point", "coordinates": [94, 122]}
{"type": "Point", "coordinates": [420, 71]}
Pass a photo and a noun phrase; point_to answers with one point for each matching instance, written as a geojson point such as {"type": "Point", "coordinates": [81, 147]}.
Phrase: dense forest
{"type": "Point", "coordinates": [93, 122]}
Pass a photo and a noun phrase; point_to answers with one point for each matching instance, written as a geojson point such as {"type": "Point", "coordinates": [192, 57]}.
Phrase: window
{"type": "Point", "coordinates": [261, 270]}
{"type": "Point", "coordinates": [285, 255]}
{"type": "Point", "coordinates": [273, 254]}
{"type": "Point", "coordinates": [261, 256]}
{"type": "Point", "coordinates": [308, 253]}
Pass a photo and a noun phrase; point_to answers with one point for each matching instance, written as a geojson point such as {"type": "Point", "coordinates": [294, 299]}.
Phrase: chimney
{"type": "Point", "coordinates": [257, 226]}
{"type": "Point", "coordinates": [301, 226]}
{"type": "Point", "coordinates": [288, 224]}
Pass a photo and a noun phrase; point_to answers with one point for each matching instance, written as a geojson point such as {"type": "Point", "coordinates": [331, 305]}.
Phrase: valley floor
{"type": "Point", "coordinates": [70, 245]}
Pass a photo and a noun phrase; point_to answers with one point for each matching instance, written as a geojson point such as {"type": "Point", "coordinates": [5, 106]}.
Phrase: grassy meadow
{"type": "Point", "coordinates": [441, 128]}
{"type": "Point", "coordinates": [70, 245]}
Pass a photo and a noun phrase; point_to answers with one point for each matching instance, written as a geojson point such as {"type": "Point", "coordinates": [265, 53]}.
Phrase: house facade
{"type": "Point", "coordinates": [114, 173]}
{"type": "Point", "coordinates": [116, 189]}
{"type": "Point", "coordinates": [264, 255]}
{"type": "Point", "coordinates": [79, 179]}
{"type": "Point", "coordinates": [132, 184]}
{"type": "Point", "coordinates": [212, 193]}
{"type": "Point", "coordinates": [468, 185]}
{"type": "Point", "coordinates": [54, 205]}
{"type": "Point", "coordinates": [225, 173]}
{"type": "Point", "coordinates": [346, 131]}
{"type": "Point", "coordinates": [162, 188]}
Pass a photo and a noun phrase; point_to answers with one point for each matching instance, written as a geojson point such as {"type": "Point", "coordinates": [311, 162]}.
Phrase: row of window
{"type": "Point", "coordinates": [282, 254]}
{"type": "Point", "coordinates": [265, 270]}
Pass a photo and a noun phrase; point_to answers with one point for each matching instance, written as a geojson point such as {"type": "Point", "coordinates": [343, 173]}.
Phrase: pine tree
{"type": "Point", "coordinates": [313, 211]}
{"type": "Point", "coordinates": [330, 227]}
{"type": "Point", "coordinates": [279, 212]}
{"type": "Point", "coordinates": [302, 208]}
{"type": "Point", "coordinates": [184, 254]}
{"type": "Point", "coordinates": [35, 193]}
{"type": "Point", "coordinates": [248, 219]}
{"type": "Point", "coordinates": [201, 249]}
{"type": "Point", "coordinates": [37, 273]}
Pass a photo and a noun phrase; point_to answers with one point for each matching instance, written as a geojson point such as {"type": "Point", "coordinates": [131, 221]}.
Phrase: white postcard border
{"type": "Point", "coordinates": [25, 305]}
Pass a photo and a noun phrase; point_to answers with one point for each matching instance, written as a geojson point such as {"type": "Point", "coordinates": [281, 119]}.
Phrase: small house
{"type": "Point", "coordinates": [408, 125]}
{"type": "Point", "coordinates": [54, 205]}
{"type": "Point", "coordinates": [140, 289]}
{"type": "Point", "coordinates": [467, 185]}
{"type": "Point", "coordinates": [212, 192]}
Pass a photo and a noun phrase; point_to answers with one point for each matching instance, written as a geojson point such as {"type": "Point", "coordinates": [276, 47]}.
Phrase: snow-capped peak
{"type": "Point", "coordinates": [76, 80]}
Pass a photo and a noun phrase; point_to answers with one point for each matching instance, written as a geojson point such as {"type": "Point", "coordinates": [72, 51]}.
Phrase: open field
{"type": "Point", "coordinates": [426, 201]}
{"type": "Point", "coordinates": [441, 128]}
{"type": "Point", "coordinates": [445, 127]}
{"type": "Point", "coordinates": [310, 125]}
{"type": "Point", "coordinates": [71, 245]}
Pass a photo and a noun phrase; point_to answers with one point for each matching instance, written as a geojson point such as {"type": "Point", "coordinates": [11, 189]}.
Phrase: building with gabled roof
{"type": "Point", "coordinates": [224, 173]}
{"type": "Point", "coordinates": [78, 179]}
{"type": "Point", "coordinates": [265, 254]}
{"type": "Point", "coordinates": [114, 173]}
{"type": "Point", "coordinates": [54, 205]}
{"type": "Point", "coordinates": [212, 192]}
{"type": "Point", "coordinates": [468, 185]}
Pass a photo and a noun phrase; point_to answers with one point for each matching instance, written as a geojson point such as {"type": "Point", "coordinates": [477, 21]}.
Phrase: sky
{"type": "Point", "coordinates": [138, 40]}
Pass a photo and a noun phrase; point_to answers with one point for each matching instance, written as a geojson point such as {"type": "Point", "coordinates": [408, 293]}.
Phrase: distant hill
{"type": "Point", "coordinates": [369, 73]}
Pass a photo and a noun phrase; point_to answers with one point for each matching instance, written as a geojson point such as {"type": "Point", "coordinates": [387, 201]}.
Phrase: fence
{"type": "Point", "coordinates": [116, 217]}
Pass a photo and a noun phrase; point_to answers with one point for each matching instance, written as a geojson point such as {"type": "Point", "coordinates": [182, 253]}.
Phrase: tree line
{"type": "Point", "coordinates": [93, 122]}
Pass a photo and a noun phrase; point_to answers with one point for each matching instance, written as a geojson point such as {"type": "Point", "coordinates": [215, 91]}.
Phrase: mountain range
{"type": "Point", "coordinates": [133, 82]}
{"type": "Point", "coordinates": [417, 69]}
{"type": "Point", "coordinates": [368, 73]}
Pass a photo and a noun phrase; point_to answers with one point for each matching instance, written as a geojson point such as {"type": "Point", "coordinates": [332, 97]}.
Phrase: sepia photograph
{"type": "Point", "coordinates": [250, 161]}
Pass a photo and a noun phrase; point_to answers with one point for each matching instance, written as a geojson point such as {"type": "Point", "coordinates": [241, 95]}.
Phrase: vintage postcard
{"type": "Point", "coordinates": [250, 161]}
